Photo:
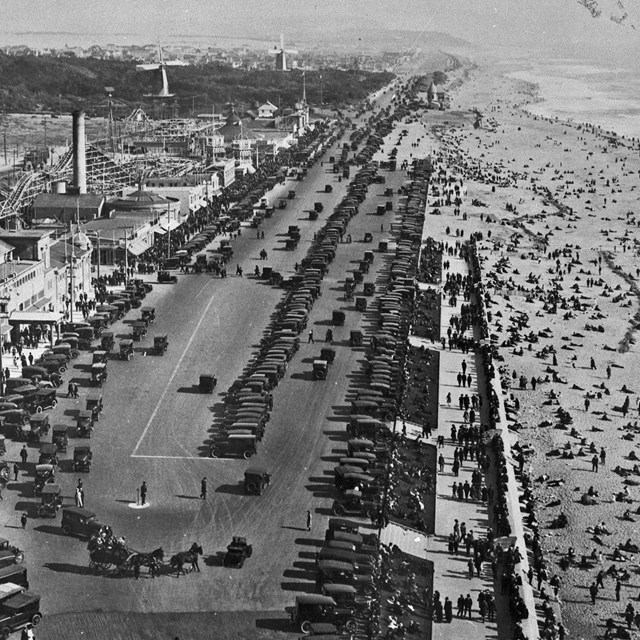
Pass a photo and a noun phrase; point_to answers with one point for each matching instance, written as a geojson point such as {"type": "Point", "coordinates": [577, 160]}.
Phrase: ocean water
{"type": "Point", "coordinates": [605, 96]}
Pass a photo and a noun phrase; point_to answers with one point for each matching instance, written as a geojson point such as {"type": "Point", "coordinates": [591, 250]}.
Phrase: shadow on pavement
{"type": "Point", "coordinates": [276, 624]}
{"type": "Point", "coordinates": [65, 567]}
{"type": "Point", "coordinates": [234, 489]}
{"type": "Point", "coordinates": [49, 528]}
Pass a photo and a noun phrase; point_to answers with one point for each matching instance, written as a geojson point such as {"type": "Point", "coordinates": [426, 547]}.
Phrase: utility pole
{"type": "Point", "coordinates": [98, 232]}
{"type": "Point", "coordinates": [126, 253]}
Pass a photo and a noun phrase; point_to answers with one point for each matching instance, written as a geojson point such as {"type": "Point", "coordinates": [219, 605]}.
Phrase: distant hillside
{"type": "Point", "coordinates": [30, 83]}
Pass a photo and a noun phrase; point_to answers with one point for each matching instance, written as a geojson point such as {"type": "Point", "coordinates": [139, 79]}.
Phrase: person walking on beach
{"type": "Point", "coordinates": [203, 489]}
{"type": "Point", "coordinates": [594, 463]}
{"type": "Point", "coordinates": [309, 520]}
{"type": "Point", "coordinates": [593, 364]}
{"type": "Point", "coordinates": [593, 592]}
{"type": "Point", "coordinates": [143, 493]}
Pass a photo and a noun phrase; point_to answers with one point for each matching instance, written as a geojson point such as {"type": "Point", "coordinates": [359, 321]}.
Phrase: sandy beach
{"type": "Point", "coordinates": [557, 206]}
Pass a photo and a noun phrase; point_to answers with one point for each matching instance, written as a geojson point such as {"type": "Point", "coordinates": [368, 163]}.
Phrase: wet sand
{"type": "Point", "coordinates": [561, 265]}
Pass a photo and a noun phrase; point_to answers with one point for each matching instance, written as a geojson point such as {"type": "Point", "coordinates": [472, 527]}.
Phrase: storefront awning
{"type": "Point", "coordinates": [138, 246]}
{"type": "Point", "coordinates": [27, 317]}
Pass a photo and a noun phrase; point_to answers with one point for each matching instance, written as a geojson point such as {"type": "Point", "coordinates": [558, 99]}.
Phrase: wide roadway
{"type": "Point", "coordinates": [156, 424]}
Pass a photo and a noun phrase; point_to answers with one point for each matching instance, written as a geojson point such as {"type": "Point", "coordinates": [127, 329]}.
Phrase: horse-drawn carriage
{"type": "Point", "coordinates": [108, 552]}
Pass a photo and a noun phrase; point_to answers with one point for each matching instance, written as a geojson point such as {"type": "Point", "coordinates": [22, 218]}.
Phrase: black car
{"type": "Point", "coordinates": [79, 521]}
{"type": "Point", "coordinates": [18, 611]}
{"type": "Point", "coordinates": [237, 552]}
{"type": "Point", "coordinates": [313, 608]}
{"type": "Point", "coordinates": [166, 277]}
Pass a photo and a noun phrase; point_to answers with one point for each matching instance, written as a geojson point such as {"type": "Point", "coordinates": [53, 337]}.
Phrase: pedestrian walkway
{"type": "Point", "coordinates": [451, 573]}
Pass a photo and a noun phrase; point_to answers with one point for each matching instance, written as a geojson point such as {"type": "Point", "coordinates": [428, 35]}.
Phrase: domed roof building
{"type": "Point", "coordinates": [142, 201]}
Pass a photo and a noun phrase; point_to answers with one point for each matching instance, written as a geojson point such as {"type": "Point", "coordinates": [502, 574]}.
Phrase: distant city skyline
{"type": "Point", "coordinates": [552, 25]}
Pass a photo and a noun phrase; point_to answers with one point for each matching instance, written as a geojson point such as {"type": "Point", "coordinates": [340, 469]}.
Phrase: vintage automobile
{"type": "Point", "coordinates": [369, 288]}
{"type": "Point", "coordinates": [51, 500]}
{"type": "Point", "coordinates": [235, 444]}
{"type": "Point", "coordinates": [336, 572]}
{"type": "Point", "coordinates": [45, 474]}
{"type": "Point", "coordinates": [107, 341]}
{"type": "Point", "coordinates": [84, 424]}
{"type": "Point", "coordinates": [18, 611]}
{"type": "Point", "coordinates": [3, 446]}
{"type": "Point", "coordinates": [100, 356]}
{"type": "Point", "coordinates": [42, 399]}
{"type": "Point", "coordinates": [65, 349]}
{"type": "Point", "coordinates": [256, 480]}
{"type": "Point", "coordinates": [79, 521]}
{"type": "Point", "coordinates": [39, 425]}
{"type": "Point", "coordinates": [348, 477]}
{"type": "Point", "coordinates": [361, 304]}
{"type": "Point", "coordinates": [320, 369]}
{"type": "Point", "coordinates": [383, 410]}
{"type": "Point", "coordinates": [346, 596]}
{"type": "Point", "coordinates": [53, 364]}
{"type": "Point", "coordinates": [312, 609]}
{"type": "Point", "coordinates": [337, 318]}
{"type": "Point", "coordinates": [9, 554]}
{"type": "Point", "coordinates": [48, 454]}
{"type": "Point", "coordinates": [368, 237]}
{"type": "Point", "coordinates": [94, 404]}
{"type": "Point", "coordinates": [139, 330]}
{"type": "Point", "coordinates": [126, 349]}
{"type": "Point", "coordinates": [60, 437]}
{"type": "Point", "coordinates": [99, 374]}
{"type": "Point", "coordinates": [14, 574]}
{"type": "Point", "coordinates": [39, 374]}
{"type": "Point", "coordinates": [148, 315]}
{"type": "Point", "coordinates": [15, 419]}
{"type": "Point", "coordinates": [160, 344]}
{"type": "Point", "coordinates": [207, 383]}
{"type": "Point", "coordinates": [353, 503]}
{"type": "Point", "coordinates": [237, 552]}
{"type": "Point", "coordinates": [142, 286]}
{"type": "Point", "coordinates": [363, 562]}
{"type": "Point", "coordinates": [166, 277]}
{"type": "Point", "coordinates": [82, 457]}
{"type": "Point", "coordinates": [328, 354]}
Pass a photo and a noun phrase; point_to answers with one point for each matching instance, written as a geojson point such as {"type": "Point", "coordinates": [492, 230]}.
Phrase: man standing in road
{"type": "Point", "coordinates": [309, 518]}
{"type": "Point", "coordinates": [23, 520]}
{"type": "Point", "coordinates": [311, 336]}
{"type": "Point", "coordinates": [16, 470]}
{"type": "Point", "coordinates": [24, 454]}
{"type": "Point", "coordinates": [203, 489]}
{"type": "Point", "coordinates": [143, 493]}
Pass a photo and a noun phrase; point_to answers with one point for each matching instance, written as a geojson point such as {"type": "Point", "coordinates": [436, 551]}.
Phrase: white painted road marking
{"type": "Point", "coordinates": [173, 375]}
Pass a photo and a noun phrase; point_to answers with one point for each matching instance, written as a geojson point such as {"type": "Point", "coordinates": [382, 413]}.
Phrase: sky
{"type": "Point", "coordinates": [552, 25]}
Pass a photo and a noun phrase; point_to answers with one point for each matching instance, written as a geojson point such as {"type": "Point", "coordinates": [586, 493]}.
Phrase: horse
{"type": "Point", "coordinates": [151, 560]}
{"type": "Point", "coordinates": [187, 557]}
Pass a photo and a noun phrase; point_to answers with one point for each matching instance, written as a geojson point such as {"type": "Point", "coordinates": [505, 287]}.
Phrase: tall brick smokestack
{"type": "Point", "coordinates": [79, 153]}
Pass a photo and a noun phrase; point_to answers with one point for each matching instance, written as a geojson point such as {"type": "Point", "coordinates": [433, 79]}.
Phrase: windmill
{"type": "Point", "coordinates": [280, 53]}
{"type": "Point", "coordinates": [160, 69]}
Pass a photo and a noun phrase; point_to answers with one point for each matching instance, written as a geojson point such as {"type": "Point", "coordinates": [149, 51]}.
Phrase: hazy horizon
{"type": "Point", "coordinates": [556, 27]}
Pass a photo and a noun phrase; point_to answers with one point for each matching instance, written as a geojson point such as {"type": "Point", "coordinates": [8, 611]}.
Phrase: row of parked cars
{"type": "Point", "coordinates": [348, 563]}
{"type": "Point", "coordinates": [248, 402]}
{"type": "Point", "coordinates": [347, 574]}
